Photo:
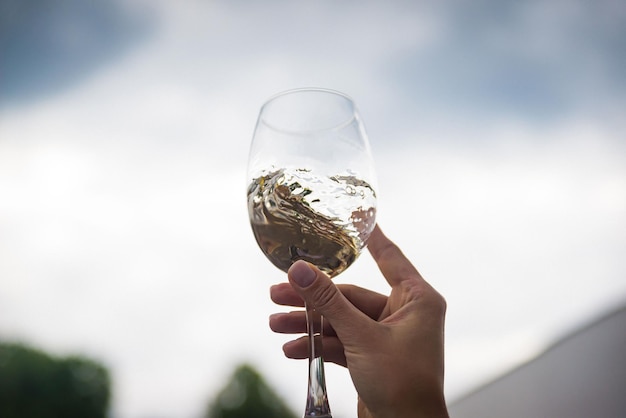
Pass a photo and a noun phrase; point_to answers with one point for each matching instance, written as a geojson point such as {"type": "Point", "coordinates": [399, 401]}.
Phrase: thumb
{"type": "Point", "coordinates": [318, 291]}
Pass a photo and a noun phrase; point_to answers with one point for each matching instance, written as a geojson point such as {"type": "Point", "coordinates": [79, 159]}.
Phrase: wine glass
{"type": "Point", "coordinates": [311, 196]}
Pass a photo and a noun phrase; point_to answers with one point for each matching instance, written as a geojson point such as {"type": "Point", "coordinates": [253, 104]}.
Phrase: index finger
{"type": "Point", "coordinates": [369, 302]}
{"type": "Point", "coordinates": [391, 261]}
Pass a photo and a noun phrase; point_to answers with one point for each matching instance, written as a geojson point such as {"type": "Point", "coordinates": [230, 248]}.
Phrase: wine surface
{"type": "Point", "coordinates": [296, 215]}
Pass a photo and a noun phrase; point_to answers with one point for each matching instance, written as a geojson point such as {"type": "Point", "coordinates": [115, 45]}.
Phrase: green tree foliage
{"type": "Point", "coordinates": [34, 384]}
{"type": "Point", "coordinates": [247, 395]}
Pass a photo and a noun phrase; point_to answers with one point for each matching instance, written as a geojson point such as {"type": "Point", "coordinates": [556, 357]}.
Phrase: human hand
{"type": "Point", "coordinates": [392, 346]}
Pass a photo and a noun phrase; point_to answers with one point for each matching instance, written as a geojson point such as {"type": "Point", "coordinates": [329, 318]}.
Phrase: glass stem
{"type": "Point", "coordinates": [317, 399]}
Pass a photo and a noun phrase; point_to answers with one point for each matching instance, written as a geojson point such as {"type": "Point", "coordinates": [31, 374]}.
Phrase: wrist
{"type": "Point", "coordinates": [429, 409]}
{"type": "Point", "coordinates": [434, 407]}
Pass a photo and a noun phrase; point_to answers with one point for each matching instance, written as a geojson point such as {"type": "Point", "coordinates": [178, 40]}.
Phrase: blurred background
{"type": "Point", "coordinates": [498, 134]}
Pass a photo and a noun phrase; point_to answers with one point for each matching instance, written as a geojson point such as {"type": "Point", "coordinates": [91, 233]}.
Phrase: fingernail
{"type": "Point", "coordinates": [289, 344]}
{"type": "Point", "coordinates": [302, 274]}
{"type": "Point", "coordinates": [271, 321]}
{"type": "Point", "coordinates": [276, 315]}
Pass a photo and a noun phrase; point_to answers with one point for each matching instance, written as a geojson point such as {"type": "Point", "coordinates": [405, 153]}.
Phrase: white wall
{"type": "Point", "coordinates": [582, 376]}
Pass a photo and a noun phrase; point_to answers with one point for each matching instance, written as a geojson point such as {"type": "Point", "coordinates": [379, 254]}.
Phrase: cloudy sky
{"type": "Point", "coordinates": [497, 129]}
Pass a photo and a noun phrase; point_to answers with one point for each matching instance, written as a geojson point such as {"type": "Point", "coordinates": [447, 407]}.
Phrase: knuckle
{"type": "Point", "coordinates": [427, 294]}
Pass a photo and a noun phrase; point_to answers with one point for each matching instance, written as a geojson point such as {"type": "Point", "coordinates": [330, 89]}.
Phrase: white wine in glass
{"type": "Point", "coordinates": [311, 196]}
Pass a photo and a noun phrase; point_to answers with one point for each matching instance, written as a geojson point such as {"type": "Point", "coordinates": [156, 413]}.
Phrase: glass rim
{"type": "Point", "coordinates": [307, 89]}
{"type": "Point", "coordinates": [288, 92]}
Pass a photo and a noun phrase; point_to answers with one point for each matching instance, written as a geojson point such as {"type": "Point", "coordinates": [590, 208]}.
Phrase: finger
{"type": "Point", "coordinates": [320, 293]}
{"type": "Point", "coordinates": [295, 323]}
{"type": "Point", "coordinates": [367, 301]}
{"type": "Point", "coordinates": [332, 352]}
{"type": "Point", "coordinates": [391, 261]}
{"type": "Point", "coordinates": [283, 294]}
